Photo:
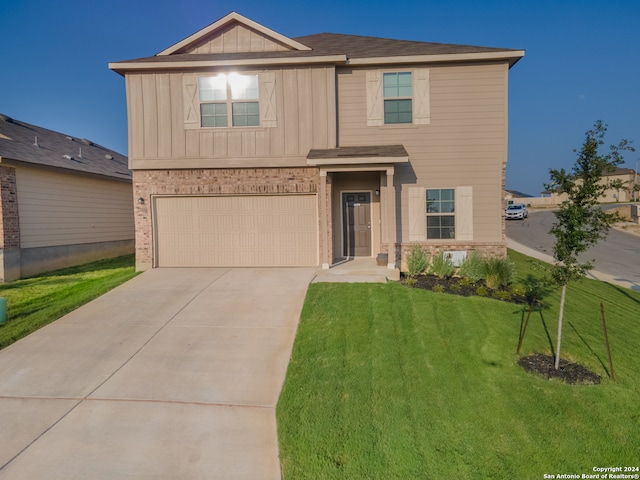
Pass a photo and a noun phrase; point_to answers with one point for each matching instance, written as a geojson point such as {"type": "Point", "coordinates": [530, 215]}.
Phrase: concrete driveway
{"type": "Point", "coordinates": [174, 375]}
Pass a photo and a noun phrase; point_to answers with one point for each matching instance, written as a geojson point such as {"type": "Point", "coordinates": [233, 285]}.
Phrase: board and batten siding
{"type": "Point", "coordinates": [464, 143]}
{"type": "Point", "coordinates": [57, 209]}
{"type": "Point", "coordinates": [238, 38]}
{"type": "Point", "coordinates": [303, 117]}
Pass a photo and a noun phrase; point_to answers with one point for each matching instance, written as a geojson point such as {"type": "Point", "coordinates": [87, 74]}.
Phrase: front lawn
{"type": "Point", "coordinates": [34, 302]}
{"type": "Point", "coordinates": [392, 382]}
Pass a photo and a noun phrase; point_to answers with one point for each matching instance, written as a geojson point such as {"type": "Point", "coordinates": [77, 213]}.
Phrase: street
{"type": "Point", "coordinates": [618, 255]}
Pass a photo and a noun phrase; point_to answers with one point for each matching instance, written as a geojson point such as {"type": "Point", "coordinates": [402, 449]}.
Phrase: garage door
{"type": "Point", "coordinates": [245, 231]}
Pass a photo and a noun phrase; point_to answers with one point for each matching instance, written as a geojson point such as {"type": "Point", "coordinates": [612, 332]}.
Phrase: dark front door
{"type": "Point", "coordinates": [356, 214]}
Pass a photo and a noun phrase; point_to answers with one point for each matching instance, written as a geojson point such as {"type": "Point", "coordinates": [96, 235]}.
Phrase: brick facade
{"type": "Point", "coordinates": [9, 219]}
{"type": "Point", "coordinates": [488, 249]}
{"type": "Point", "coordinates": [253, 181]}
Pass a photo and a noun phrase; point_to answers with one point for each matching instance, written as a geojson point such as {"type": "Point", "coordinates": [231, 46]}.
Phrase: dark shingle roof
{"type": "Point", "coordinates": [37, 146]}
{"type": "Point", "coordinates": [330, 44]}
{"type": "Point", "coordinates": [355, 46]}
{"type": "Point", "coordinates": [620, 171]}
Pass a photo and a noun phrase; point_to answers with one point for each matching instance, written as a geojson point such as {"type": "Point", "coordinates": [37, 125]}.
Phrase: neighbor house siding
{"type": "Point", "coordinates": [464, 144]}
{"type": "Point", "coordinates": [57, 209]}
{"type": "Point", "coordinates": [305, 118]}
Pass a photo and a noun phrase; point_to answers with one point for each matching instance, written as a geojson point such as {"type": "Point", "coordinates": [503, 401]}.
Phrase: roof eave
{"type": "Point", "coordinates": [122, 67]}
{"type": "Point", "coordinates": [356, 160]}
{"type": "Point", "coordinates": [512, 56]}
{"type": "Point", "coordinates": [83, 173]}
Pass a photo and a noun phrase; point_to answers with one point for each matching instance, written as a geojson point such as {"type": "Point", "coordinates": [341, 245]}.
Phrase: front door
{"type": "Point", "coordinates": [356, 214]}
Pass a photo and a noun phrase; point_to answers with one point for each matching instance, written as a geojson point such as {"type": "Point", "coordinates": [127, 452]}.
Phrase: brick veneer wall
{"type": "Point", "coordinates": [254, 181]}
{"type": "Point", "coordinates": [488, 249]}
{"type": "Point", "coordinates": [9, 219]}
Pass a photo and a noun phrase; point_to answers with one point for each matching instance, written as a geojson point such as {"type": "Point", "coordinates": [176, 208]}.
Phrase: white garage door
{"type": "Point", "coordinates": [243, 231]}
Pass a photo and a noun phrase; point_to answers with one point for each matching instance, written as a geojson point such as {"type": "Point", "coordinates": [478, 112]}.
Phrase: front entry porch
{"type": "Point", "coordinates": [357, 203]}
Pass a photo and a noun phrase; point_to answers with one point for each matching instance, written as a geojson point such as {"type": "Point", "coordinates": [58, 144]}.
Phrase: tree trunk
{"type": "Point", "coordinates": [564, 294]}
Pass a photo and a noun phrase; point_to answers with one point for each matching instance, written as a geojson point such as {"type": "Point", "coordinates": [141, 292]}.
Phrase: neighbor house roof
{"type": "Point", "coordinates": [25, 144]}
{"type": "Point", "coordinates": [620, 171]}
{"type": "Point", "coordinates": [320, 48]}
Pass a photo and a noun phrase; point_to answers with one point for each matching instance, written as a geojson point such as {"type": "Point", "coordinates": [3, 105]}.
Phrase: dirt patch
{"type": "Point", "coordinates": [571, 373]}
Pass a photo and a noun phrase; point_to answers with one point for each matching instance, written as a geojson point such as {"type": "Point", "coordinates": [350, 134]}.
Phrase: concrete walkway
{"type": "Point", "coordinates": [173, 375]}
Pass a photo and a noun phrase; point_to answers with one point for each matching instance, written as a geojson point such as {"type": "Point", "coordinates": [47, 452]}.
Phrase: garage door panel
{"type": "Point", "coordinates": [236, 231]}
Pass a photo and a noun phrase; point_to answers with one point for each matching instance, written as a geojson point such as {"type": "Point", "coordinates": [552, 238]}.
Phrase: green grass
{"type": "Point", "coordinates": [390, 382]}
{"type": "Point", "coordinates": [34, 302]}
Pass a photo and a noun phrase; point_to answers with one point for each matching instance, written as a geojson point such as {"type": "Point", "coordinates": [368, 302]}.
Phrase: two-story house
{"type": "Point", "coordinates": [249, 148]}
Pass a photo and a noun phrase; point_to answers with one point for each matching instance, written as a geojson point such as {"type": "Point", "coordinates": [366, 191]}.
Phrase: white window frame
{"type": "Point", "coordinates": [267, 104]}
{"type": "Point", "coordinates": [397, 98]}
{"type": "Point", "coordinates": [231, 98]}
{"type": "Point", "coordinates": [440, 214]}
{"type": "Point", "coordinates": [417, 213]}
{"type": "Point", "coordinates": [420, 97]}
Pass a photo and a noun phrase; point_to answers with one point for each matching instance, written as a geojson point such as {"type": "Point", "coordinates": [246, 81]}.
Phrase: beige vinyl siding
{"type": "Point", "coordinates": [465, 143]}
{"type": "Point", "coordinates": [58, 209]}
{"type": "Point", "coordinates": [164, 131]}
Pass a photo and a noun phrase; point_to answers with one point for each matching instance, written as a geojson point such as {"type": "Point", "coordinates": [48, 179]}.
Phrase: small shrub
{"type": "Point", "coordinates": [518, 291]}
{"type": "Point", "coordinates": [411, 281]}
{"type": "Point", "coordinates": [498, 272]}
{"type": "Point", "coordinates": [438, 288]}
{"type": "Point", "coordinates": [417, 261]}
{"type": "Point", "coordinates": [466, 282]}
{"type": "Point", "coordinates": [472, 268]}
{"type": "Point", "coordinates": [501, 295]}
{"type": "Point", "coordinates": [455, 287]}
{"type": "Point", "coordinates": [482, 291]}
{"type": "Point", "coordinates": [442, 266]}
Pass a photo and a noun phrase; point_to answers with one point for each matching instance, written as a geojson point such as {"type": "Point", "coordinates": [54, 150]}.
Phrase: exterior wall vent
{"type": "Point", "coordinates": [456, 257]}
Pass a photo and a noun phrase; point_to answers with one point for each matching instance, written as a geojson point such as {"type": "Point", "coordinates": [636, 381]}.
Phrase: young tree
{"type": "Point", "coordinates": [580, 222]}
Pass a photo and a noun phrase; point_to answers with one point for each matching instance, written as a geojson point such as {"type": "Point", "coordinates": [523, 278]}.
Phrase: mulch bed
{"type": "Point", "coordinates": [457, 286]}
{"type": "Point", "coordinates": [567, 372]}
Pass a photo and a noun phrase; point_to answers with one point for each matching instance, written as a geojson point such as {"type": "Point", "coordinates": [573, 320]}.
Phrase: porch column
{"type": "Point", "coordinates": [391, 220]}
{"type": "Point", "coordinates": [324, 224]}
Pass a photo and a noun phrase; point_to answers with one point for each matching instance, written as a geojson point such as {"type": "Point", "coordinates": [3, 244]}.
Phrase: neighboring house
{"type": "Point", "coordinates": [64, 201]}
{"type": "Point", "coordinates": [626, 176]}
{"type": "Point", "coordinates": [249, 148]}
{"type": "Point", "coordinates": [514, 196]}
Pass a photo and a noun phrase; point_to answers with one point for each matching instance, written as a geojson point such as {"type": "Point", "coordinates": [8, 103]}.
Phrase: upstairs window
{"type": "Point", "coordinates": [441, 220]}
{"type": "Point", "coordinates": [398, 95]}
{"type": "Point", "coordinates": [398, 98]}
{"type": "Point", "coordinates": [229, 100]}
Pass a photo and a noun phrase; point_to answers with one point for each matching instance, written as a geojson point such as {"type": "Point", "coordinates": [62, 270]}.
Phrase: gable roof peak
{"type": "Point", "coordinates": [218, 26]}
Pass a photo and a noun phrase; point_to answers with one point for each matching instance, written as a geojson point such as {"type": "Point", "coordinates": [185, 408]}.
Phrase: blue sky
{"type": "Point", "coordinates": [582, 60]}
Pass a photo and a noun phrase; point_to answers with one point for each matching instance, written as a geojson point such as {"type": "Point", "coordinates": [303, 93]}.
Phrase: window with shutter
{"type": "Point", "coordinates": [229, 100]}
{"type": "Point", "coordinates": [398, 97]}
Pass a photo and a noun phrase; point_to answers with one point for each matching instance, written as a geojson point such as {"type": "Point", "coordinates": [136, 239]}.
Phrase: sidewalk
{"type": "Point", "coordinates": [594, 274]}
